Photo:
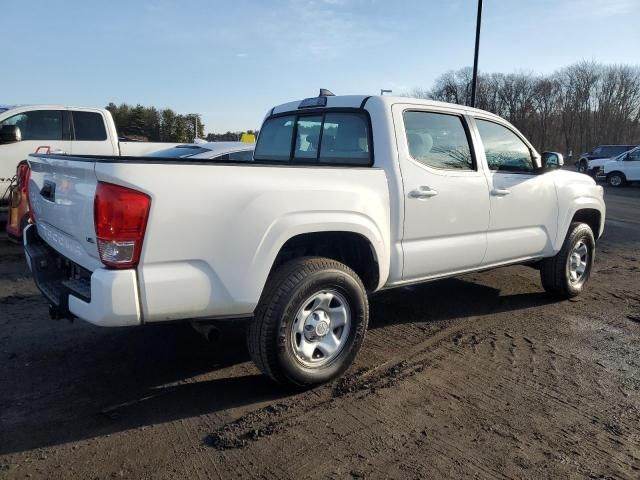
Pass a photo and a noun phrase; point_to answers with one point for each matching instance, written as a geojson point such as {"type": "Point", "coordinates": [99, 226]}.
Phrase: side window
{"type": "Point", "coordinates": [243, 156]}
{"type": "Point", "coordinates": [634, 156]}
{"type": "Point", "coordinates": [505, 151]}
{"type": "Point", "coordinates": [274, 142]}
{"type": "Point", "coordinates": [38, 124]}
{"type": "Point", "coordinates": [89, 126]}
{"type": "Point", "coordinates": [345, 139]}
{"type": "Point", "coordinates": [597, 151]}
{"type": "Point", "coordinates": [612, 151]}
{"type": "Point", "coordinates": [438, 140]}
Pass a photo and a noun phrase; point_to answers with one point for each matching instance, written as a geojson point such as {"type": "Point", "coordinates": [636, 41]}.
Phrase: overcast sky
{"type": "Point", "coordinates": [233, 60]}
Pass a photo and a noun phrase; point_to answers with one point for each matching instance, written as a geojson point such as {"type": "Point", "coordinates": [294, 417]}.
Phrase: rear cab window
{"type": "Point", "coordinates": [341, 138]}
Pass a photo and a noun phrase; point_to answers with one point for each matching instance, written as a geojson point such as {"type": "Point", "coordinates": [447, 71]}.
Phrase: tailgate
{"type": "Point", "coordinates": [61, 192]}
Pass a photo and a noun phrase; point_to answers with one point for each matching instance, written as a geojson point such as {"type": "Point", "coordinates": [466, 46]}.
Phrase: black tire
{"type": "Point", "coordinates": [554, 271]}
{"type": "Point", "coordinates": [616, 179]}
{"type": "Point", "coordinates": [269, 333]}
{"type": "Point", "coordinates": [583, 166]}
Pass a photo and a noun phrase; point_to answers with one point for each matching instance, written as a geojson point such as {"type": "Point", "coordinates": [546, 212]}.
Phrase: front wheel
{"type": "Point", "coordinates": [583, 167]}
{"type": "Point", "coordinates": [566, 274]}
{"type": "Point", "coordinates": [616, 179]}
{"type": "Point", "coordinates": [310, 322]}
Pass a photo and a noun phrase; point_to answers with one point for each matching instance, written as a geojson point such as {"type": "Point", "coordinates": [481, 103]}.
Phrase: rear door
{"type": "Point", "coordinates": [524, 205]}
{"type": "Point", "coordinates": [446, 196]}
{"type": "Point", "coordinates": [90, 134]}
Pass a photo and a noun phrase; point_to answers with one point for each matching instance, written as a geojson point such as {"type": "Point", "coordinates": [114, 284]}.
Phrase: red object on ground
{"type": "Point", "coordinates": [18, 216]}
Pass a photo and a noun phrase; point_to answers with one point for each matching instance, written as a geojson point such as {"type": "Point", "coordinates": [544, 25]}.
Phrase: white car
{"type": "Point", "coordinates": [623, 168]}
{"type": "Point", "coordinates": [221, 151]}
{"type": "Point", "coordinates": [60, 128]}
{"type": "Point", "coordinates": [346, 195]}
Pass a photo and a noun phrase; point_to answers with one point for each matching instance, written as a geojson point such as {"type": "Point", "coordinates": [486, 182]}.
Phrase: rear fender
{"type": "Point", "coordinates": [298, 223]}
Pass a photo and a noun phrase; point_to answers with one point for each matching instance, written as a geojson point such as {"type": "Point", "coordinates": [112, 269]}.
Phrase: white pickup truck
{"type": "Point", "coordinates": [62, 128]}
{"type": "Point", "coordinates": [345, 196]}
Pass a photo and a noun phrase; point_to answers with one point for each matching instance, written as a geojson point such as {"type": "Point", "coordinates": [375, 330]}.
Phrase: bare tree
{"type": "Point", "coordinates": [573, 109]}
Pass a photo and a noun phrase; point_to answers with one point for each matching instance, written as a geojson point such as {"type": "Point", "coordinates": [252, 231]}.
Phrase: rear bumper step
{"type": "Point", "coordinates": [55, 276]}
{"type": "Point", "coordinates": [104, 297]}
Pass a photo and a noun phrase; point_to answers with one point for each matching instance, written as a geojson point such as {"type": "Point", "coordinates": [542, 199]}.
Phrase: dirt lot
{"type": "Point", "coordinates": [477, 376]}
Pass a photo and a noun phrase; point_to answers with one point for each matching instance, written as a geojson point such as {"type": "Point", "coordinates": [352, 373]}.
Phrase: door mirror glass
{"type": "Point", "coordinates": [10, 134]}
{"type": "Point", "coordinates": [552, 160]}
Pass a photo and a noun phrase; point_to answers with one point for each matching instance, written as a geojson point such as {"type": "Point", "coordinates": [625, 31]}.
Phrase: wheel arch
{"type": "Point", "coordinates": [586, 211]}
{"type": "Point", "coordinates": [353, 249]}
{"type": "Point", "coordinates": [352, 238]}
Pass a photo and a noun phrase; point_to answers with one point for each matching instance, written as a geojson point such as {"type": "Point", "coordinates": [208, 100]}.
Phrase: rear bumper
{"type": "Point", "coordinates": [107, 298]}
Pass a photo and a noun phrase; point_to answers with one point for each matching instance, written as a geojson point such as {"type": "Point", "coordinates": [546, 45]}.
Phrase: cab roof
{"type": "Point", "coordinates": [360, 101]}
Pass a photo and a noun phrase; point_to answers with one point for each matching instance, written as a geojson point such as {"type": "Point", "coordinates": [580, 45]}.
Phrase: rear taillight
{"type": "Point", "coordinates": [120, 216]}
{"type": "Point", "coordinates": [26, 178]}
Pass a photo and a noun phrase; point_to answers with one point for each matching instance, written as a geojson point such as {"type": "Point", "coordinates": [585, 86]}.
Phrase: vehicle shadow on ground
{"type": "Point", "coordinates": [107, 381]}
{"type": "Point", "coordinates": [450, 299]}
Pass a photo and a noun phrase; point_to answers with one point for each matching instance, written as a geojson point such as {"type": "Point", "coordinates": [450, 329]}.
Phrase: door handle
{"type": "Point", "coordinates": [423, 192]}
{"type": "Point", "coordinates": [500, 192]}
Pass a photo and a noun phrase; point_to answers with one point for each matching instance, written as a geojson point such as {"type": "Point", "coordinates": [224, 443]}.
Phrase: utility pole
{"type": "Point", "coordinates": [474, 81]}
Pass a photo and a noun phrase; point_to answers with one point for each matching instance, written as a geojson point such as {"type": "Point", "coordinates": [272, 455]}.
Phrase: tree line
{"type": "Point", "coordinates": [571, 110]}
{"type": "Point", "coordinates": [155, 125]}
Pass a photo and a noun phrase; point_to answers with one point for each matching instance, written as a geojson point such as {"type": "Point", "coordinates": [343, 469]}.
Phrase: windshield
{"type": "Point", "coordinates": [180, 151]}
{"type": "Point", "coordinates": [623, 155]}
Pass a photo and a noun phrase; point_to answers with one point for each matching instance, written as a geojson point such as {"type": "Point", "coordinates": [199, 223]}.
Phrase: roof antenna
{"type": "Point", "coordinates": [326, 93]}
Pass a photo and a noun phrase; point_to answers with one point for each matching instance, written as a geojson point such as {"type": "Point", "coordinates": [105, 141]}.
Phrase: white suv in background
{"type": "Point", "coordinates": [622, 169]}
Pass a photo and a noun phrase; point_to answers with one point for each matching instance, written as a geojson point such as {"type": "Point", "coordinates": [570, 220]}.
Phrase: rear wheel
{"type": "Point", "coordinates": [310, 322]}
{"type": "Point", "coordinates": [616, 179]}
{"type": "Point", "coordinates": [566, 274]}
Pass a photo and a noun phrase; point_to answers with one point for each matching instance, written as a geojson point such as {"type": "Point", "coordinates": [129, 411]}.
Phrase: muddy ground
{"type": "Point", "coordinates": [478, 376]}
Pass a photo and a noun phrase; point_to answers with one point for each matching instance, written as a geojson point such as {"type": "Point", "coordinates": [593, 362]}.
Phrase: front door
{"type": "Point", "coordinates": [632, 165]}
{"type": "Point", "coordinates": [38, 128]}
{"type": "Point", "coordinates": [524, 205]}
{"type": "Point", "coordinates": [446, 196]}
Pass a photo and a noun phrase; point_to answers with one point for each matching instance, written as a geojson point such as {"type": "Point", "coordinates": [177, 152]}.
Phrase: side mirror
{"type": "Point", "coordinates": [552, 160]}
{"type": "Point", "coordinates": [10, 134]}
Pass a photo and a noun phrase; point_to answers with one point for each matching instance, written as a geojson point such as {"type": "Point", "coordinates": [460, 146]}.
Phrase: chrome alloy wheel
{"type": "Point", "coordinates": [578, 261]}
{"type": "Point", "coordinates": [321, 328]}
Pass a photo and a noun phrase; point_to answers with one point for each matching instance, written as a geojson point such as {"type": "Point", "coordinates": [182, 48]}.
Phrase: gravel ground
{"type": "Point", "coordinates": [477, 376]}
